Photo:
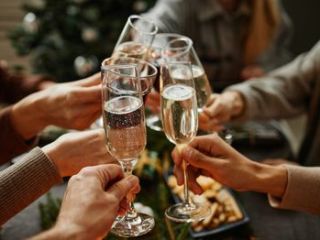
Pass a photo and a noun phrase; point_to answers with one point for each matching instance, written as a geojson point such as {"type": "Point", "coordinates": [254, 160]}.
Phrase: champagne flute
{"type": "Point", "coordinates": [134, 42]}
{"type": "Point", "coordinates": [157, 59]}
{"type": "Point", "coordinates": [177, 49]}
{"type": "Point", "coordinates": [180, 123]}
{"type": "Point", "coordinates": [136, 38]}
{"type": "Point", "coordinates": [181, 49]}
{"type": "Point", "coordinates": [123, 117]}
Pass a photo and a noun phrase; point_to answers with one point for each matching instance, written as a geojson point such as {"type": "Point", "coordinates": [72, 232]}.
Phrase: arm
{"type": "Point", "coordinates": [40, 169]}
{"type": "Point", "coordinates": [93, 199]}
{"type": "Point", "coordinates": [289, 187]}
{"type": "Point", "coordinates": [302, 191]}
{"type": "Point", "coordinates": [169, 15]}
{"type": "Point", "coordinates": [12, 142]}
{"type": "Point", "coordinates": [24, 182]}
{"type": "Point", "coordinates": [72, 105]}
{"type": "Point", "coordinates": [285, 92]}
{"type": "Point", "coordinates": [14, 87]}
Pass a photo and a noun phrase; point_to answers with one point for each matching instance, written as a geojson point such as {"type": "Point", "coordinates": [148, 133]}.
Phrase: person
{"type": "Point", "coordinates": [93, 199]}
{"type": "Point", "coordinates": [16, 86]}
{"type": "Point", "coordinates": [288, 186]}
{"type": "Point", "coordinates": [286, 92]}
{"type": "Point", "coordinates": [41, 168]}
{"type": "Point", "coordinates": [235, 39]}
{"type": "Point", "coordinates": [69, 105]}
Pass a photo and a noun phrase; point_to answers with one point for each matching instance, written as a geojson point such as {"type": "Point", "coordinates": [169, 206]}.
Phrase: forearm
{"type": "Point", "coordinates": [284, 92]}
{"type": "Point", "coordinates": [12, 142]}
{"type": "Point", "coordinates": [25, 181]}
{"type": "Point", "coordinates": [26, 116]}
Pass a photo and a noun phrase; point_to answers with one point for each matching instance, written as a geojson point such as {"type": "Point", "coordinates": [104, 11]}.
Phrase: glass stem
{"type": "Point", "coordinates": [127, 168]}
{"type": "Point", "coordinates": [187, 200]}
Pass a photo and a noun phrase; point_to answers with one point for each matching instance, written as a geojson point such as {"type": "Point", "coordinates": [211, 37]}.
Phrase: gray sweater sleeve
{"type": "Point", "coordinates": [302, 192]}
{"type": "Point", "coordinates": [285, 92]}
{"type": "Point", "coordinates": [24, 182]}
{"type": "Point", "coordinates": [169, 15]}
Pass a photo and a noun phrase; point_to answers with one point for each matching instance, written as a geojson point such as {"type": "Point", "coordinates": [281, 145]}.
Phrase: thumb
{"type": "Point", "coordinates": [196, 158]}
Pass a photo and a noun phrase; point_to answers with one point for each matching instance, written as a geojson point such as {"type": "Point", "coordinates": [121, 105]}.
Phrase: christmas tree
{"type": "Point", "coordinates": [68, 39]}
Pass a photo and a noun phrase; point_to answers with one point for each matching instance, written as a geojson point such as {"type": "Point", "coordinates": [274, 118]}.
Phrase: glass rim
{"type": "Point", "coordinates": [184, 51]}
{"type": "Point", "coordinates": [132, 17]}
{"type": "Point", "coordinates": [183, 38]}
{"type": "Point", "coordinates": [132, 65]}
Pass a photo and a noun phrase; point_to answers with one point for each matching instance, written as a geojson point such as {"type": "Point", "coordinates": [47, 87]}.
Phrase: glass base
{"type": "Point", "coordinates": [133, 227]}
{"type": "Point", "coordinates": [182, 212]}
{"type": "Point", "coordinates": [154, 122]}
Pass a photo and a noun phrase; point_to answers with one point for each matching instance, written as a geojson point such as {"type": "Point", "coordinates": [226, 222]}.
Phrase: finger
{"type": "Point", "coordinates": [89, 81]}
{"type": "Point", "coordinates": [213, 110]}
{"type": "Point", "coordinates": [84, 122]}
{"type": "Point", "coordinates": [178, 172]}
{"type": "Point", "coordinates": [212, 98]}
{"type": "Point", "coordinates": [193, 184]}
{"type": "Point", "coordinates": [89, 94]}
{"type": "Point", "coordinates": [196, 158]}
{"type": "Point", "coordinates": [214, 126]}
{"type": "Point", "coordinates": [123, 206]}
{"type": "Point", "coordinates": [121, 188]}
{"type": "Point", "coordinates": [103, 173]}
{"type": "Point", "coordinates": [176, 156]}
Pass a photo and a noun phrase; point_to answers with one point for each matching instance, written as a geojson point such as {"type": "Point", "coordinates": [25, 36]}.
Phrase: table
{"type": "Point", "coordinates": [265, 222]}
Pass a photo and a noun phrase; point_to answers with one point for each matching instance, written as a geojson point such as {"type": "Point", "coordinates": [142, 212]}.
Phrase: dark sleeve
{"type": "Point", "coordinates": [24, 182]}
{"type": "Point", "coordinates": [11, 142]}
{"type": "Point", "coordinates": [15, 87]}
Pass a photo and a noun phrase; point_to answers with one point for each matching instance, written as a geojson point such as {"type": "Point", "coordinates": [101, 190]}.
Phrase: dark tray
{"type": "Point", "coordinates": [219, 229]}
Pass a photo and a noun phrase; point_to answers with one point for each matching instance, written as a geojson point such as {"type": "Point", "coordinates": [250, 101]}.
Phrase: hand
{"type": "Point", "coordinates": [93, 199]}
{"type": "Point", "coordinates": [69, 105]}
{"type": "Point", "coordinates": [252, 71]}
{"type": "Point", "coordinates": [220, 109]}
{"type": "Point", "coordinates": [211, 156]}
{"type": "Point", "coordinates": [73, 151]}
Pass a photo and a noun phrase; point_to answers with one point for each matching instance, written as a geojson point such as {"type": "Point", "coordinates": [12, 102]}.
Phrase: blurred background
{"type": "Point", "coordinates": [89, 29]}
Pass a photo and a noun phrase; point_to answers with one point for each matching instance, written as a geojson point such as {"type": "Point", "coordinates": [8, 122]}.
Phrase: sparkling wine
{"type": "Point", "coordinates": [131, 49]}
{"type": "Point", "coordinates": [125, 129]}
{"type": "Point", "coordinates": [202, 86]}
{"type": "Point", "coordinates": [179, 113]}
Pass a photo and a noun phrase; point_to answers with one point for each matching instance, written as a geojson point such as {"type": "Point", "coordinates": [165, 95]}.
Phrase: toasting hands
{"type": "Point", "coordinates": [93, 199]}
{"type": "Point", "coordinates": [210, 156]}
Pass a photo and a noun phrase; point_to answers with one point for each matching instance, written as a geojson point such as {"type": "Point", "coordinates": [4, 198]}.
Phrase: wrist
{"type": "Point", "coordinates": [26, 119]}
{"type": "Point", "coordinates": [55, 154]}
{"type": "Point", "coordinates": [270, 179]}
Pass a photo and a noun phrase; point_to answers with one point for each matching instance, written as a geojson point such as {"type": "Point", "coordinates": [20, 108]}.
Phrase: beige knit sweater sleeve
{"type": "Point", "coordinates": [24, 182]}
{"type": "Point", "coordinates": [302, 192]}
